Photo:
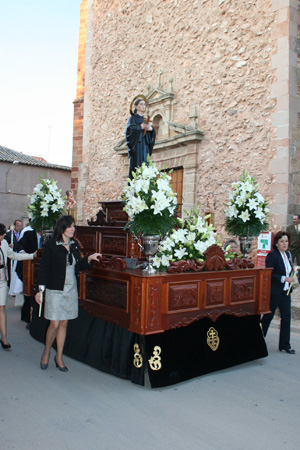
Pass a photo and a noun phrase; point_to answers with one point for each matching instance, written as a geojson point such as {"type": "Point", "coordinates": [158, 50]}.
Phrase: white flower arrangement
{"type": "Point", "coordinates": [46, 204]}
{"type": "Point", "coordinates": [247, 210]}
{"type": "Point", "coordinates": [149, 202]}
{"type": "Point", "coordinates": [189, 241]}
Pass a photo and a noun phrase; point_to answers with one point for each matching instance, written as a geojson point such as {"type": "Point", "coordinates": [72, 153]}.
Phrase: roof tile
{"type": "Point", "coordinates": [8, 155]}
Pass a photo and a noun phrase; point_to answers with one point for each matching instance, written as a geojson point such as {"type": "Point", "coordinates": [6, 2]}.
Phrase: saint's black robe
{"type": "Point", "coordinates": [139, 146]}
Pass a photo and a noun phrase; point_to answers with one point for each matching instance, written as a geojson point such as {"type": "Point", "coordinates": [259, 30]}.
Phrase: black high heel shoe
{"type": "Point", "coordinates": [291, 351]}
{"type": "Point", "coordinates": [42, 365]}
{"type": "Point", "coordinates": [5, 346]}
{"type": "Point", "coordinates": [62, 369]}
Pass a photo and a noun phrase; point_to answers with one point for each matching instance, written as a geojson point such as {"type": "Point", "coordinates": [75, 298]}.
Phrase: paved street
{"type": "Point", "coordinates": [252, 406]}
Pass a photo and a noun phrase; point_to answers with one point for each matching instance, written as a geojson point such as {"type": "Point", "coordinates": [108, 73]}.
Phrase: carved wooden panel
{"type": "Point", "coordinates": [107, 292]}
{"type": "Point", "coordinates": [114, 211]}
{"type": "Point", "coordinates": [242, 290]}
{"type": "Point", "coordinates": [183, 296]}
{"type": "Point", "coordinates": [215, 292]}
{"type": "Point", "coordinates": [147, 304]}
{"type": "Point", "coordinates": [113, 244]}
{"type": "Point", "coordinates": [119, 216]}
{"type": "Point", "coordinates": [27, 277]}
{"type": "Point", "coordinates": [89, 239]}
{"type": "Point", "coordinates": [177, 186]}
{"type": "Point", "coordinates": [30, 271]}
{"type": "Point", "coordinates": [153, 312]}
{"type": "Point", "coordinates": [136, 313]}
{"type": "Point", "coordinates": [264, 303]}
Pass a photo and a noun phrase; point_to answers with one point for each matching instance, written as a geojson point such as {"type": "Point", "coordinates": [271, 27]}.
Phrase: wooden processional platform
{"type": "Point", "coordinates": [171, 326]}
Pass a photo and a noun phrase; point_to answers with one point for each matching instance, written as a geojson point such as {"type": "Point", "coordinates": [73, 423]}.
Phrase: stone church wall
{"type": "Point", "coordinates": [219, 53]}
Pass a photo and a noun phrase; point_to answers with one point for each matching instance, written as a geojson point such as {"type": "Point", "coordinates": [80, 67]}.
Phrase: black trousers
{"type": "Point", "coordinates": [26, 309]}
{"type": "Point", "coordinates": [283, 302]}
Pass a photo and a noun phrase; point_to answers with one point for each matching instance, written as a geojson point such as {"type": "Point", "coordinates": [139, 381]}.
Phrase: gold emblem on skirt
{"type": "Point", "coordinates": [155, 360]}
{"type": "Point", "coordinates": [137, 357]}
{"type": "Point", "coordinates": [213, 339]}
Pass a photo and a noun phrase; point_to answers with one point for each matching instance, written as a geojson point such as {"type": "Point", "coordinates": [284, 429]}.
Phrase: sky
{"type": "Point", "coordinates": [38, 73]}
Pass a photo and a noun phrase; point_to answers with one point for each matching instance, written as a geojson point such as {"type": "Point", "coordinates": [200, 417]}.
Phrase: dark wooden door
{"type": "Point", "coordinates": [177, 185]}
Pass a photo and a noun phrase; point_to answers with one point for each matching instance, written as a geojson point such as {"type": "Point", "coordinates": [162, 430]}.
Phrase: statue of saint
{"type": "Point", "coordinates": [70, 203]}
{"type": "Point", "coordinates": [140, 135]}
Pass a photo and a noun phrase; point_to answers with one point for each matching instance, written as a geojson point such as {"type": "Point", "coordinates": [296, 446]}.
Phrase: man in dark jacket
{"type": "Point", "coordinates": [13, 239]}
{"type": "Point", "coordinates": [29, 243]}
{"type": "Point", "coordinates": [294, 242]}
{"type": "Point", "coordinates": [16, 233]}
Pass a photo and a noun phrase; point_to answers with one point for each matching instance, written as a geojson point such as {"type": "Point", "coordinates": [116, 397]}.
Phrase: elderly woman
{"type": "Point", "coordinates": [58, 273]}
{"type": "Point", "coordinates": [279, 259]}
{"type": "Point", "coordinates": [6, 252]}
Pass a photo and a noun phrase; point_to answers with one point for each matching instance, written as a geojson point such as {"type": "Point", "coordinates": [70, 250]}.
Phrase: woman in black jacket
{"type": "Point", "coordinates": [58, 273]}
{"type": "Point", "coordinates": [279, 260]}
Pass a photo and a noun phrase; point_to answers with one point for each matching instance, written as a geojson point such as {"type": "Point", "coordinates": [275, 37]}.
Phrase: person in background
{"type": "Point", "coordinates": [294, 242]}
{"type": "Point", "coordinates": [6, 252]}
{"type": "Point", "coordinates": [27, 228]}
{"type": "Point", "coordinates": [279, 259]}
{"type": "Point", "coordinates": [29, 243]}
{"type": "Point", "coordinates": [58, 274]}
{"type": "Point", "coordinates": [234, 246]}
{"type": "Point", "coordinates": [12, 239]}
{"type": "Point", "coordinates": [16, 233]}
{"type": "Point", "coordinates": [70, 201]}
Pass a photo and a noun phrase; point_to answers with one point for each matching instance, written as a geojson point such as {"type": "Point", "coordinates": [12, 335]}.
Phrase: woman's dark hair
{"type": "Point", "coordinates": [62, 224]}
{"type": "Point", "coordinates": [136, 103]}
{"type": "Point", "coordinates": [2, 229]}
{"type": "Point", "coordinates": [278, 236]}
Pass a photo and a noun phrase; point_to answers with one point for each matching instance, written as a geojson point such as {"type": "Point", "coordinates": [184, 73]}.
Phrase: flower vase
{"type": "Point", "coordinates": [150, 246]}
{"type": "Point", "coordinates": [245, 245]}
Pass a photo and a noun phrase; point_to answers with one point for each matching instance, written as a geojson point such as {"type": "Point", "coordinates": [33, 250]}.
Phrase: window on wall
{"type": "Point", "coordinates": [157, 124]}
{"type": "Point", "coordinates": [177, 185]}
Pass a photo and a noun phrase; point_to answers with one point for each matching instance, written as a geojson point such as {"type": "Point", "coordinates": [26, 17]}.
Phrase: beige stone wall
{"type": "Point", "coordinates": [18, 181]}
{"type": "Point", "coordinates": [219, 54]}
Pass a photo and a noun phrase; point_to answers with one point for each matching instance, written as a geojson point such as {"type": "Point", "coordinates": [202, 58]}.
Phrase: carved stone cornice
{"type": "Point", "coordinates": [159, 95]}
{"type": "Point", "coordinates": [191, 136]}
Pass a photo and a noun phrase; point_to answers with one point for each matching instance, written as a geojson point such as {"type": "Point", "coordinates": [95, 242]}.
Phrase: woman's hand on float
{"type": "Point", "coordinates": [95, 257]}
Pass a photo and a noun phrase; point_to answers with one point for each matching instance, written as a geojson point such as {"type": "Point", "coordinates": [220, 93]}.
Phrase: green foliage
{"type": "Point", "coordinates": [237, 227]}
{"type": "Point", "coordinates": [147, 223]}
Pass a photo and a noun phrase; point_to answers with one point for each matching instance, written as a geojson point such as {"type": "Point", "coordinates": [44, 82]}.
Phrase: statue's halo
{"type": "Point", "coordinates": [135, 98]}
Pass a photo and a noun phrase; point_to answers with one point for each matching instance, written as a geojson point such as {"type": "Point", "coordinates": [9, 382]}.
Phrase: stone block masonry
{"type": "Point", "coordinates": [226, 58]}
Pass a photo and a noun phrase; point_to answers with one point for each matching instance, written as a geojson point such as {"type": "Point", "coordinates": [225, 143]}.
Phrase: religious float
{"type": "Point", "coordinates": [172, 325]}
